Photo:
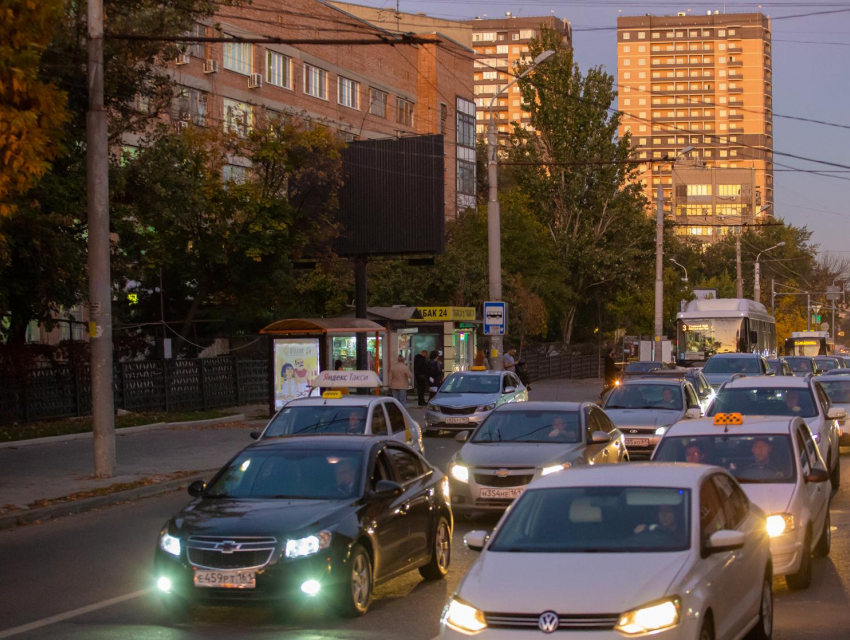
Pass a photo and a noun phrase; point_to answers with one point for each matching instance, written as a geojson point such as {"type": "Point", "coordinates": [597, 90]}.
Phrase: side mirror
{"type": "Point", "coordinates": [255, 435]}
{"type": "Point", "coordinates": [196, 488]}
{"type": "Point", "coordinates": [725, 540]}
{"type": "Point", "coordinates": [836, 413]}
{"type": "Point", "coordinates": [600, 437]}
{"type": "Point", "coordinates": [817, 475]}
{"type": "Point", "coordinates": [510, 389]}
{"type": "Point", "coordinates": [693, 413]}
{"type": "Point", "coordinates": [388, 489]}
{"type": "Point", "coordinates": [476, 540]}
{"type": "Point", "coordinates": [463, 436]}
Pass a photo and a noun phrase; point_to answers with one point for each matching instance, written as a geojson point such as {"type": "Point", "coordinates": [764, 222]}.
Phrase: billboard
{"type": "Point", "coordinates": [296, 362]}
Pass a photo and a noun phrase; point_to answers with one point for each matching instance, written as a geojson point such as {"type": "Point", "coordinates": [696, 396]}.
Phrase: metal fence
{"type": "Point", "coordinates": [541, 366]}
{"type": "Point", "coordinates": [64, 391]}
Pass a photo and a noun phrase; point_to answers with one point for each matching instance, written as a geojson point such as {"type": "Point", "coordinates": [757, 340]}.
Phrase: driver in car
{"type": "Point", "coordinates": [668, 399]}
{"type": "Point", "coordinates": [762, 468]}
{"type": "Point", "coordinates": [561, 431]}
{"type": "Point", "coordinates": [356, 424]}
{"type": "Point", "coordinates": [792, 401]}
{"type": "Point", "coordinates": [694, 454]}
{"type": "Point", "coordinates": [345, 477]}
{"type": "Point", "coordinates": [667, 522]}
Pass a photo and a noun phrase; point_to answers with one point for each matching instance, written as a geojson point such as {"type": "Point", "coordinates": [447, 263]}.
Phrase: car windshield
{"type": "Point", "coordinates": [475, 383]}
{"type": "Point", "coordinates": [732, 365]}
{"type": "Point", "coordinates": [325, 418]}
{"type": "Point", "coordinates": [838, 391]}
{"type": "Point", "coordinates": [596, 520]}
{"type": "Point", "coordinates": [296, 473]}
{"type": "Point", "coordinates": [765, 401]}
{"type": "Point", "coordinates": [642, 367]}
{"type": "Point", "coordinates": [530, 426]}
{"type": "Point", "coordinates": [751, 459]}
{"type": "Point", "coordinates": [800, 365]}
{"type": "Point", "coordinates": [645, 396]}
{"type": "Point", "coordinates": [773, 366]}
{"type": "Point", "coordinates": [827, 364]}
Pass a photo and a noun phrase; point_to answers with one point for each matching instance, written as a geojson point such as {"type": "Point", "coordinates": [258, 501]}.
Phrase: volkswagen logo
{"type": "Point", "coordinates": [548, 622]}
{"type": "Point", "coordinates": [228, 546]}
{"type": "Point", "coordinates": [502, 473]}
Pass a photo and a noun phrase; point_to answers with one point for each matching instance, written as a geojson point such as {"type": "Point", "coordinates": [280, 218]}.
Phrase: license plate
{"type": "Point", "coordinates": [637, 442]}
{"type": "Point", "coordinates": [226, 579]}
{"type": "Point", "coordinates": [502, 493]}
{"type": "Point", "coordinates": [457, 420]}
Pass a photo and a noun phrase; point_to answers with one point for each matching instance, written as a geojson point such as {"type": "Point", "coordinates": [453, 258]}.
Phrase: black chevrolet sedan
{"type": "Point", "coordinates": [307, 517]}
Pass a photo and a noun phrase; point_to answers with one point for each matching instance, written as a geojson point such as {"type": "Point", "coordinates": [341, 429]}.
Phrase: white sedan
{"type": "Point", "coordinates": [617, 551]}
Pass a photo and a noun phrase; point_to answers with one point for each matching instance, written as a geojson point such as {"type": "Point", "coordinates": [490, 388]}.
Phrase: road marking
{"type": "Point", "coordinates": [15, 631]}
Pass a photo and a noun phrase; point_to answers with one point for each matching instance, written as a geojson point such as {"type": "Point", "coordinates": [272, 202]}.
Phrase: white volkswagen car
{"type": "Point", "coordinates": [781, 470]}
{"type": "Point", "coordinates": [675, 551]}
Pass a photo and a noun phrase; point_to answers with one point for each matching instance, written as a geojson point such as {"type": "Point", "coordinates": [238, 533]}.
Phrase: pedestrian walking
{"type": "Point", "coordinates": [420, 373]}
{"type": "Point", "coordinates": [435, 374]}
{"type": "Point", "coordinates": [508, 361]}
{"type": "Point", "coordinates": [481, 359]}
{"type": "Point", "coordinates": [610, 372]}
{"type": "Point", "coordinates": [400, 380]}
{"type": "Point", "coordinates": [522, 374]}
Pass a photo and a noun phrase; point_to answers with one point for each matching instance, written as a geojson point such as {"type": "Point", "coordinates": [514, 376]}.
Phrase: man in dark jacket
{"type": "Point", "coordinates": [420, 373]}
{"type": "Point", "coordinates": [610, 371]}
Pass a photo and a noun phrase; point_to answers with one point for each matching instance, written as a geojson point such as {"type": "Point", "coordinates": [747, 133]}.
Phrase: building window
{"type": "Point", "coordinates": [514, 36]}
{"type": "Point", "coordinates": [727, 190]}
{"type": "Point", "coordinates": [465, 127]}
{"type": "Point", "coordinates": [490, 75]}
{"type": "Point", "coordinates": [348, 93]}
{"type": "Point", "coordinates": [641, 35]}
{"type": "Point", "coordinates": [699, 189]}
{"type": "Point", "coordinates": [238, 117]}
{"type": "Point", "coordinates": [315, 82]}
{"type": "Point", "coordinates": [404, 112]}
{"type": "Point", "coordinates": [278, 70]}
{"type": "Point", "coordinates": [198, 49]}
{"type": "Point", "coordinates": [627, 49]}
{"type": "Point", "coordinates": [233, 173]}
{"type": "Point", "coordinates": [627, 36]}
{"type": "Point", "coordinates": [656, 34]}
{"type": "Point", "coordinates": [466, 178]}
{"type": "Point", "coordinates": [484, 37]}
{"type": "Point", "coordinates": [190, 105]}
{"type": "Point", "coordinates": [729, 209]}
{"type": "Point", "coordinates": [527, 34]}
{"type": "Point", "coordinates": [238, 57]}
{"type": "Point", "coordinates": [502, 48]}
{"type": "Point", "coordinates": [377, 102]}
{"type": "Point", "coordinates": [627, 62]}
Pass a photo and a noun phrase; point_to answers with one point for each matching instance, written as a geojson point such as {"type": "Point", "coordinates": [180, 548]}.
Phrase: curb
{"type": "Point", "coordinates": [14, 444]}
{"type": "Point", "coordinates": [89, 504]}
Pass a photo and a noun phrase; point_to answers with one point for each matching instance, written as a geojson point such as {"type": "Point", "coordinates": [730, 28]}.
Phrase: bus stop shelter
{"type": "Point", "coordinates": [301, 348]}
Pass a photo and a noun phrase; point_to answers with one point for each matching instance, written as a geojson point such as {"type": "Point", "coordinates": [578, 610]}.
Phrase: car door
{"type": "Point", "coordinates": [594, 453]}
{"type": "Point", "coordinates": [830, 429]}
{"type": "Point", "coordinates": [818, 493]}
{"type": "Point", "coordinates": [378, 420]}
{"type": "Point", "coordinates": [691, 398]}
{"type": "Point", "coordinates": [414, 475]}
{"type": "Point", "coordinates": [748, 562]}
{"type": "Point", "coordinates": [616, 448]}
{"type": "Point", "coordinates": [398, 425]}
{"type": "Point", "coordinates": [387, 519]}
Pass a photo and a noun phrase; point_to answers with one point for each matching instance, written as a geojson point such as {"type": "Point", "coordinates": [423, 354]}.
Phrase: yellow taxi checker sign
{"type": "Point", "coordinates": [729, 418]}
{"type": "Point", "coordinates": [331, 395]}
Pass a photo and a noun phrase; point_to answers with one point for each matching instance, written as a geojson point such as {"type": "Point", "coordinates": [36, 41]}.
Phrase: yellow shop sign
{"type": "Point", "coordinates": [443, 314]}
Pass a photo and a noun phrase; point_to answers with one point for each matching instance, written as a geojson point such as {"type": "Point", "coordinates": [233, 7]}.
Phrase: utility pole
{"type": "Point", "coordinates": [739, 283]}
{"type": "Point", "coordinates": [756, 280]}
{"type": "Point", "coordinates": [772, 297]}
{"type": "Point", "coordinates": [659, 274]}
{"type": "Point", "coordinates": [808, 311]}
{"type": "Point", "coordinates": [100, 280]}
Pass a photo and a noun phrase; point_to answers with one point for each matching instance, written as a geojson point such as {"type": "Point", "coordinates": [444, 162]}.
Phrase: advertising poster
{"type": "Point", "coordinates": [296, 362]}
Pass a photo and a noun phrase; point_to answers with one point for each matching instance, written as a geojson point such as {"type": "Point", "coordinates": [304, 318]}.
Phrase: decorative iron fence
{"type": "Point", "coordinates": [541, 366]}
{"type": "Point", "coordinates": [64, 391]}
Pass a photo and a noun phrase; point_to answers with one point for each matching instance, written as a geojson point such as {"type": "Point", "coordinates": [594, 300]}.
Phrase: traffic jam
{"type": "Point", "coordinates": [678, 499]}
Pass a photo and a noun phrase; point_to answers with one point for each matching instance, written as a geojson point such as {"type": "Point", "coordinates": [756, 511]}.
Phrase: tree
{"type": "Point", "coordinates": [582, 191]}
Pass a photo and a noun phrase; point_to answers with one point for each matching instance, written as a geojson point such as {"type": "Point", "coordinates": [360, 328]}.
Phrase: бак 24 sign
{"type": "Point", "coordinates": [443, 314]}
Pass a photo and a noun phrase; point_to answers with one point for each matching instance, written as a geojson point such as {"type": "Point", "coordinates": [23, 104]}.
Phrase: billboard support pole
{"type": "Point", "coordinates": [360, 312]}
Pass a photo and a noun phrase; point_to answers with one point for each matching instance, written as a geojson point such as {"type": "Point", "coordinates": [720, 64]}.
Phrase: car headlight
{"type": "Point", "coordinates": [169, 544]}
{"type": "Point", "coordinates": [434, 407]}
{"type": "Point", "coordinates": [653, 616]}
{"type": "Point", "coordinates": [464, 617]}
{"type": "Point", "coordinates": [307, 546]}
{"type": "Point", "coordinates": [486, 407]}
{"type": "Point", "coordinates": [459, 472]}
{"type": "Point", "coordinates": [779, 523]}
{"type": "Point", "coordinates": [556, 467]}
{"type": "Point", "coordinates": [660, 431]}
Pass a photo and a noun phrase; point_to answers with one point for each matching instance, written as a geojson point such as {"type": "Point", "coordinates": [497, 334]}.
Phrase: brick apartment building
{"type": "Point", "coordinates": [701, 81]}
{"type": "Point", "coordinates": [363, 91]}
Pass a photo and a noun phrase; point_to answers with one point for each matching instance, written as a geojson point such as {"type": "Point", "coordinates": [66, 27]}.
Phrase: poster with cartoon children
{"type": "Point", "coordinates": [296, 362]}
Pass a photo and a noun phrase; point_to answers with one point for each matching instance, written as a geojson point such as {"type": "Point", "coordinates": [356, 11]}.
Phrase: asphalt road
{"type": "Point", "coordinates": [88, 577]}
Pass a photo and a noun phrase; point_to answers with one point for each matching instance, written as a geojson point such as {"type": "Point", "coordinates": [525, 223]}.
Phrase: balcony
{"type": "Point", "coordinates": [735, 63]}
{"type": "Point", "coordinates": [736, 50]}
{"type": "Point", "coordinates": [736, 129]}
{"type": "Point", "coordinates": [736, 76]}
{"type": "Point", "coordinates": [737, 90]}
{"type": "Point", "coordinates": [736, 103]}
{"type": "Point", "coordinates": [738, 116]}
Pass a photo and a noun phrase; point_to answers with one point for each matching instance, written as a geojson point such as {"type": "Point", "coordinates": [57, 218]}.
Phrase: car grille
{"type": "Point", "coordinates": [230, 553]}
{"type": "Point", "coordinates": [457, 411]}
{"type": "Point", "coordinates": [508, 481]}
{"type": "Point", "coordinates": [581, 622]}
{"type": "Point", "coordinates": [494, 502]}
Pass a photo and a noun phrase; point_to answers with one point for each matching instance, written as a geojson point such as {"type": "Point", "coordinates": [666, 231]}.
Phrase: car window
{"type": "Point", "coordinates": [296, 419]}
{"type": "Point", "coordinates": [515, 381]}
{"type": "Point", "coordinates": [693, 401]}
{"type": "Point", "coordinates": [605, 421]}
{"type": "Point", "coordinates": [824, 399]}
{"type": "Point", "coordinates": [594, 423]}
{"type": "Point", "coordinates": [529, 425]}
{"type": "Point", "coordinates": [805, 465]}
{"type": "Point", "coordinates": [712, 517]}
{"type": "Point", "coordinates": [811, 447]}
{"type": "Point", "coordinates": [732, 365]}
{"type": "Point", "coordinates": [765, 401]}
{"type": "Point", "coordinates": [470, 383]}
{"type": "Point", "coordinates": [838, 391]}
{"type": "Point", "coordinates": [800, 365]}
{"type": "Point", "coordinates": [406, 464]}
{"type": "Point", "coordinates": [645, 396]}
{"type": "Point", "coordinates": [379, 421]}
{"type": "Point", "coordinates": [396, 417]}
{"type": "Point", "coordinates": [382, 471]}
{"type": "Point", "coordinates": [735, 511]}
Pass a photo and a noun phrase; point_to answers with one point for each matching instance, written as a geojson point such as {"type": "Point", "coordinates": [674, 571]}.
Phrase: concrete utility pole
{"type": "Point", "coordinates": [100, 280]}
{"type": "Point", "coordinates": [659, 274]}
{"type": "Point", "coordinates": [756, 274]}
{"type": "Point", "coordinates": [739, 282]}
{"type": "Point", "coordinates": [494, 225]}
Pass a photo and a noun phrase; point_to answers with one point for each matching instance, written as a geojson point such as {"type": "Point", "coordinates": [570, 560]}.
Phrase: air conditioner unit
{"type": "Point", "coordinates": [255, 81]}
{"type": "Point", "coordinates": [210, 66]}
{"type": "Point", "coordinates": [183, 58]}
{"type": "Point", "coordinates": [182, 124]}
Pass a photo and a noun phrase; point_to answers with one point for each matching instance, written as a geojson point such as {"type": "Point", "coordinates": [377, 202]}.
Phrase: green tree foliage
{"type": "Point", "coordinates": [587, 199]}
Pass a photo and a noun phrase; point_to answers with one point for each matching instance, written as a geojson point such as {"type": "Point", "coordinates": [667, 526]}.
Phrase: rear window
{"type": "Point", "coordinates": [530, 426]}
{"type": "Point", "coordinates": [838, 391]}
{"type": "Point", "coordinates": [645, 396]}
{"type": "Point", "coordinates": [327, 418]}
{"type": "Point", "coordinates": [765, 401]}
{"type": "Point", "coordinates": [642, 367]}
{"type": "Point", "coordinates": [461, 383]}
{"type": "Point", "coordinates": [732, 365]}
{"type": "Point", "coordinates": [800, 365]}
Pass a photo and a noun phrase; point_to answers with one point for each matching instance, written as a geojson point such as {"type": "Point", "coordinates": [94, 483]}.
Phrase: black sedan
{"type": "Point", "coordinates": [307, 517]}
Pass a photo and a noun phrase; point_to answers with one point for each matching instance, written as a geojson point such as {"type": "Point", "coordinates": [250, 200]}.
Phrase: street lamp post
{"type": "Point", "coordinates": [756, 275]}
{"type": "Point", "coordinates": [494, 237]}
{"type": "Point", "coordinates": [685, 280]}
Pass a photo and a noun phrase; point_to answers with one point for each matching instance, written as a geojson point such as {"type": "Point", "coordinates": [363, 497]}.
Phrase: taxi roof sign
{"type": "Point", "coordinates": [726, 419]}
{"type": "Point", "coordinates": [332, 395]}
{"type": "Point", "coordinates": [346, 379]}
{"type": "Point", "coordinates": [478, 368]}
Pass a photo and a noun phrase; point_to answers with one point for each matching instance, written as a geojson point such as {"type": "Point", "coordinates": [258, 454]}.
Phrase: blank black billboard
{"type": "Point", "coordinates": [392, 201]}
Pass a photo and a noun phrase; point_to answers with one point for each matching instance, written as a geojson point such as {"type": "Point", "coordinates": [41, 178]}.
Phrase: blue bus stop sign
{"type": "Point", "coordinates": [495, 318]}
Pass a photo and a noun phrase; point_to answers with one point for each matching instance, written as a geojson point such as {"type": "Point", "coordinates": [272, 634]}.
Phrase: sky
{"type": "Point", "coordinates": [811, 74]}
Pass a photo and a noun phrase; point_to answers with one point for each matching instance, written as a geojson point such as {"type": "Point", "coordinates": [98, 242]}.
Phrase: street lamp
{"type": "Point", "coordinates": [685, 279]}
{"type": "Point", "coordinates": [756, 281]}
{"type": "Point", "coordinates": [494, 240]}
{"type": "Point", "coordinates": [659, 260]}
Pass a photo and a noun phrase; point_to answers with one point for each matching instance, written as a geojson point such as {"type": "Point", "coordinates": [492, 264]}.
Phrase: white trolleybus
{"type": "Point", "coordinates": [723, 325]}
{"type": "Point", "coordinates": [809, 343]}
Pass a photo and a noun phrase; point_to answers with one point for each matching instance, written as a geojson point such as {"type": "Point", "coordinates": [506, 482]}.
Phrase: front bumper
{"type": "Point", "coordinates": [435, 421]}
{"type": "Point", "coordinates": [687, 630]}
{"type": "Point", "coordinates": [467, 498]}
{"type": "Point", "coordinates": [641, 450]}
{"type": "Point", "coordinates": [786, 551]}
{"type": "Point", "coordinates": [280, 579]}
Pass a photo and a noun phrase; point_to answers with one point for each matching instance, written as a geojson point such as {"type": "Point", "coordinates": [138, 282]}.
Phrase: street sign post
{"type": "Point", "coordinates": [495, 318]}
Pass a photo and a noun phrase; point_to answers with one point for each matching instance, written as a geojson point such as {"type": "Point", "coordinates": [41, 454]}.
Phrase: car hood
{"type": "Point", "coordinates": [465, 399]}
{"type": "Point", "coordinates": [770, 498]}
{"type": "Point", "coordinates": [642, 417]}
{"type": "Point", "coordinates": [514, 454]}
{"type": "Point", "coordinates": [569, 582]}
{"type": "Point", "coordinates": [247, 517]}
{"type": "Point", "coordinates": [716, 379]}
